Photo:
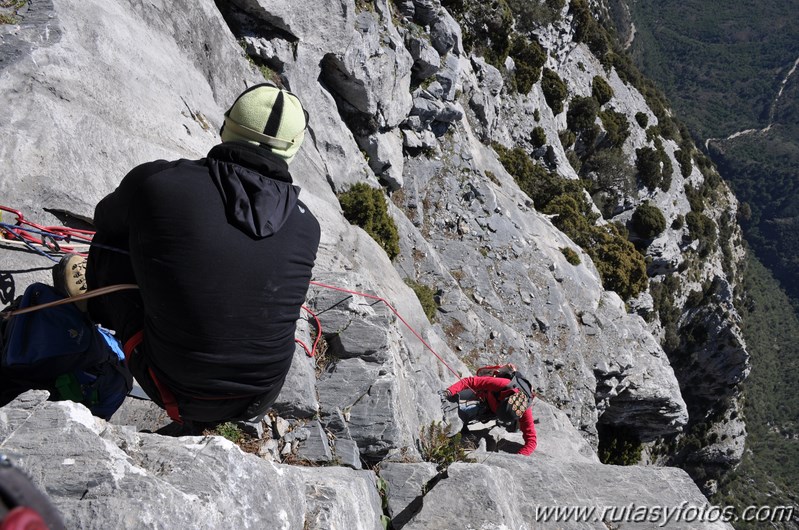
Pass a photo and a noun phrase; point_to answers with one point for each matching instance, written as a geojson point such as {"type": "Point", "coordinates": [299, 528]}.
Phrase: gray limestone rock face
{"type": "Point", "coordinates": [347, 453]}
{"type": "Point", "coordinates": [449, 76]}
{"type": "Point", "coordinates": [386, 159]}
{"type": "Point", "coordinates": [305, 20]}
{"type": "Point", "coordinates": [315, 448]}
{"type": "Point", "coordinates": [99, 475]}
{"type": "Point", "coordinates": [445, 35]}
{"type": "Point", "coordinates": [505, 491]}
{"type": "Point", "coordinates": [369, 80]}
{"type": "Point", "coordinates": [363, 390]}
{"type": "Point", "coordinates": [86, 103]}
{"type": "Point", "coordinates": [426, 60]}
{"type": "Point", "coordinates": [407, 484]}
{"type": "Point", "coordinates": [297, 398]}
{"type": "Point", "coordinates": [426, 11]}
{"type": "Point", "coordinates": [512, 297]}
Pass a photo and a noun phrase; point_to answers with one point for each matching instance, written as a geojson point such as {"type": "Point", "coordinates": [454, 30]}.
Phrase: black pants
{"type": "Point", "coordinates": [123, 312]}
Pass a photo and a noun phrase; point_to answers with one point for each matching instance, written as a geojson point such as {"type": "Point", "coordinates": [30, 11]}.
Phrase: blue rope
{"type": "Point", "coordinates": [28, 244]}
{"type": "Point", "coordinates": [54, 237]}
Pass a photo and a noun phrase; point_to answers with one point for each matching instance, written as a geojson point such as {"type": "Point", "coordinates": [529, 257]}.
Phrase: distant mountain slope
{"type": "Point", "coordinates": [720, 63]}
{"type": "Point", "coordinates": [770, 466]}
{"type": "Point", "coordinates": [730, 72]}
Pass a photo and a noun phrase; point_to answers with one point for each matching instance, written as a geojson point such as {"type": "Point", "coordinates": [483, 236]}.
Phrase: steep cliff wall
{"type": "Point", "coordinates": [396, 98]}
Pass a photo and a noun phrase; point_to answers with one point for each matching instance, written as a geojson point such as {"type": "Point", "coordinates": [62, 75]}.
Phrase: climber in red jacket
{"type": "Point", "coordinates": [508, 405]}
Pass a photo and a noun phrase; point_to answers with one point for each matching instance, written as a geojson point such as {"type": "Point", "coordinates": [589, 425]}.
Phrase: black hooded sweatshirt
{"type": "Point", "coordinates": [222, 250]}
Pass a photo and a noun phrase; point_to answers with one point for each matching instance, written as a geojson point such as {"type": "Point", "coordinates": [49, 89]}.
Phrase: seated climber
{"type": "Point", "coordinates": [222, 250]}
{"type": "Point", "coordinates": [483, 398]}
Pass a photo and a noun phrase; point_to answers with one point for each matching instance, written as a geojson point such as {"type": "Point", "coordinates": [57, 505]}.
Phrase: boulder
{"type": "Point", "coordinates": [101, 475]}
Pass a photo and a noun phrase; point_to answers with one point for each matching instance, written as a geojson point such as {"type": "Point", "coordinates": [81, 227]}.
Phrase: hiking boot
{"type": "Point", "coordinates": [69, 277]}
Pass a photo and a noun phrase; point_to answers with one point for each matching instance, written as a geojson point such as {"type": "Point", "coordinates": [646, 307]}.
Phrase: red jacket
{"type": "Point", "coordinates": [486, 389]}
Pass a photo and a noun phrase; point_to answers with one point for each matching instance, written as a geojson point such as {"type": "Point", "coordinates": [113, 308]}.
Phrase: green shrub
{"type": "Point", "coordinates": [574, 160]}
{"type": "Point", "coordinates": [642, 119]}
{"type": "Point", "coordinates": [580, 119]}
{"type": "Point", "coordinates": [581, 114]}
{"type": "Point", "coordinates": [589, 31]}
{"type": "Point", "coordinates": [667, 171]}
{"type": "Point", "coordinates": [684, 159]}
{"type": "Point", "coordinates": [611, 171]}
{"type": "Point", "coordinates": [571, 256]}
{"type": "Point", "coordinates": [601, 90]}
{"type": "Point", "coordinates": [654, 166]}
{"type": "Point", "coordinates": [695, 198]}
{"type": "Point", "coordinates": [531, 15]}
{"type": "Point", "coordinates": [555, 90]}
{"type": "Point", "coordinates": [538, 137]}
{"type": "Point", "coordinates": [426, 296]}
{"type": "Point", "coordinates": [649, 167]}
{"type": "Point", "coordinates": [663, 295]}
{"type": "Point", "coordinates": [537, 182]}
{"type": "Point", "coordinates": [620, 265]}
{"type": "Point", "coordinates": [486, 27]}
{"type": "Point", "coordinates": [611, 179]}
{"type": "Point", "coordinates": [617, 128]}
{"type": "Point", "coordinates": [567, 138]}
{"type": "Point", "coordinates": [365, 206]}
{"type": "Point", "coordinates": [744, 214]}
{"type": "Point", "coordinates": [702, 228]}
{"type": "Point", "coordinates": [648, 221]}
{"type": "Point", "coordinates": [529, 57]}
{"type": "Point", "coordinates": [229, 430]}
{"type": "Point", "coordinates": [14, 6]}
{"type": "Point", "coordinates": [441, 449]}
{"type": "Point", "coordinates": [619, 446]}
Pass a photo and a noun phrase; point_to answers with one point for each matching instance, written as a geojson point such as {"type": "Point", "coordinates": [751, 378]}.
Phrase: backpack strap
{"type": "Point", "coordinates": [519, 381]}
{"type": "Point", "coordinates": [132, 343]}
{"type": "Point", "coordinates": [170, 403]}
{"type": "Point", "coordinates": [167, 397]}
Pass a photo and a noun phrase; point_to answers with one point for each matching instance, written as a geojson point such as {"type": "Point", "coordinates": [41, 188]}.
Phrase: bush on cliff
{"type": "Point", "coordinates": [365, 206]}
{"type": "Point", "coordinates": [648, 221]}
{"type": "Point", "coordinates": [555, 90]}
{"type": "Point", "coordinates": [426, 296]}
{"type": "Point", "coordinates": [620, 265]}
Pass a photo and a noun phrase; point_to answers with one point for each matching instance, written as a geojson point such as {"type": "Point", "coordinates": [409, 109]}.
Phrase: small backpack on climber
{"type": "Point", "coordinates": [512, 405]}
{"type": "Point", "coordinates": [511, 400]}
{"type": "Point", "coordinates": [496, 393]}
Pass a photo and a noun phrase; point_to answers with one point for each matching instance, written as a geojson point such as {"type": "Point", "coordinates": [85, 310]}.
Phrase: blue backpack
{"type": "Point", "coordinates": [60, 350]}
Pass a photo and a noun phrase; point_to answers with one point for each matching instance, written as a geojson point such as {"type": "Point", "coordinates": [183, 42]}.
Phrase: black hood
{"type": "Point", "coordinates": [255, 186]}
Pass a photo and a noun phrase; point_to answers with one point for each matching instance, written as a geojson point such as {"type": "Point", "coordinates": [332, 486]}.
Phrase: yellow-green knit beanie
{"type": "Point", "coordinates": [269, 116]}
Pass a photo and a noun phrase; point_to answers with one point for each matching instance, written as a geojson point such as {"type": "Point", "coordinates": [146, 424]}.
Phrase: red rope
{"type": "Point", "coordinates": [373, 297]}
{"type": "Point", "coordinates": [311, 352]}
{"type": "Point", "coordinates": [58, 233]}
